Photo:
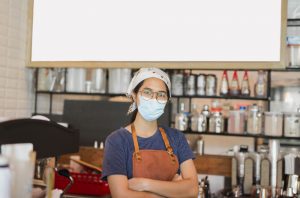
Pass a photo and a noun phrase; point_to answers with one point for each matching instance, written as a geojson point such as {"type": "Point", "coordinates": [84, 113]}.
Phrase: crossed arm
{"type": "Point", "coordinates": [184, 186]}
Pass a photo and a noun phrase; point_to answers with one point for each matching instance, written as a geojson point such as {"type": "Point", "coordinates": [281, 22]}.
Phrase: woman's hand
{"type": "Point", "coordinates": [177, 177]}
{"type": "Point", "coordinates": [137, 184]}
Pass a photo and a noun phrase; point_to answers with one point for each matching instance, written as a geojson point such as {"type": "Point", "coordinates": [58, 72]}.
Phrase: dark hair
{"type": "Point", "coordinates": [136, 90]}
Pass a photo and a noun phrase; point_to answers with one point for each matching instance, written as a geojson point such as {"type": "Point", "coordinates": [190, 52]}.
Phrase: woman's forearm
{"type": "Point", "coordinates": [182, 188]}
{"type": "Point", "coordinates": [135, 194]}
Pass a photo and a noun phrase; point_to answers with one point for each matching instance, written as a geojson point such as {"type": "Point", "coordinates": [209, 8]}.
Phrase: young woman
{"type": "Point", "coordinates": [144, 159]}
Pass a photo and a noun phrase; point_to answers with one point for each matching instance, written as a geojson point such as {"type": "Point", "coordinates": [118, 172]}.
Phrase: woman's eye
{"type": "Point", "coordinates": [161, 94]}
{"type": "Point", "coordinates": [148, 92]}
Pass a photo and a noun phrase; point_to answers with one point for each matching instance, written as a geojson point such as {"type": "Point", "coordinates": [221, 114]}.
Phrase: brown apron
{"type": "Point", "coordinates": [154, 164]}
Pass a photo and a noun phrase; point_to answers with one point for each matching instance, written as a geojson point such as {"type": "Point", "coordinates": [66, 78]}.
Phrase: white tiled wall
{"type": "Point", "coordinates": [15, 78]}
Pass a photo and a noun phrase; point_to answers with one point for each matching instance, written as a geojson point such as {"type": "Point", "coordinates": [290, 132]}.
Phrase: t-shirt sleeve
{"type": "Point", "coordinates": [114, 161]}
{"type": "Point", "coordinates": [184, 150]}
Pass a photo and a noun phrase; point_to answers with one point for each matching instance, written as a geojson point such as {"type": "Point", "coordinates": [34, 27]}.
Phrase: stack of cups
{"type": "Point", "coordinates": [5, 177]}
{"type": "Point", "coordinates": [21, 159]}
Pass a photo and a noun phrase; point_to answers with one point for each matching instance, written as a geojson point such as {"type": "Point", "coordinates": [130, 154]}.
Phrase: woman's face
{"type": "Point", "coordinates": [152, 84]}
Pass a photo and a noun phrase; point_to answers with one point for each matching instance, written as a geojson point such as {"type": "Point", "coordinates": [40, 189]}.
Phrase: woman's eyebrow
{"type": "Point", "coordinates": [156, 91]}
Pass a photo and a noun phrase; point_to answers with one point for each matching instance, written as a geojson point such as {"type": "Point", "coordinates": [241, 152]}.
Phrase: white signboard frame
{"type": "Point", "coordinates": [168, 34]}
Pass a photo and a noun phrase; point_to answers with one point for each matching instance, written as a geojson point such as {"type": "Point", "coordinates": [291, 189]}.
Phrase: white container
{"type": "Point", "coordinates": [76, 78]}
{"type": "Point", "coordinates": [98, 80]}
{"type": "Point", "coordinates": [273, 123]}
{"type": "Point", "coordinates": [254, 120]}
{"type": "Point", "coordinates": [292, 124]}
{"type": "Point", "coordinates": [294, 51]}
{"type": "Point", "coordinates": [5, 177]}
{"type": "Point", "coordinates": [22, 168]}
{"type": "Point", "coordinates": [44, 79]}
{"type": "Point", "coordinates": [118, 80]}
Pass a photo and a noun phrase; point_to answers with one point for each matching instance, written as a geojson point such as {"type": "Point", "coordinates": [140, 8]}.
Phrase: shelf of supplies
{"type": "Point", "coordinates": [293, 22]}
{"type": "Point", "coordinates": [79, 93]}
{"type": "Point", "coordinates": [225, 97]}
{"type": "Point", "coordinates": [288, 69]}
{"type": "Point", "coordinates": [242, 135]}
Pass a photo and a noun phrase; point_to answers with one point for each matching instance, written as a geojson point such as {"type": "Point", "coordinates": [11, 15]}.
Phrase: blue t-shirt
{"type": "Point", "coordinates": [119, 148]}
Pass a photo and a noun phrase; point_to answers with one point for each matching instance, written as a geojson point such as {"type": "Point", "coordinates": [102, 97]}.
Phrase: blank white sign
{"type": "Point", "coordinates": [156, 30]}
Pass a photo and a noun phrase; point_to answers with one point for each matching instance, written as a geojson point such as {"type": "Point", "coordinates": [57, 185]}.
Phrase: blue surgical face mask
{"type": "Point", "coordinates": [150, 109]}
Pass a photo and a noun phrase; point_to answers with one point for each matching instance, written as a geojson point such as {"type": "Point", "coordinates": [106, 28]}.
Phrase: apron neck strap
{"type": "Point", "coordinates": [134, 138]}
{"type": "Point", "coordinates": [166, 141]}
{"type": "Point", "coordinates": [163, 134]}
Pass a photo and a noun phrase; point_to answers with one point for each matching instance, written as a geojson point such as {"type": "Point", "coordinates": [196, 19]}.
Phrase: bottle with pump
{"type": "Point", "coordinates": [224, 84]}
{"type": "Point", "coordinates": [234, 85]}
{"type": "Point", "coordinates": [181, 119]}
{"type": "Point", "coordinates": [245, 88]}
{"type": "Point", "coordinates": [260, 85]}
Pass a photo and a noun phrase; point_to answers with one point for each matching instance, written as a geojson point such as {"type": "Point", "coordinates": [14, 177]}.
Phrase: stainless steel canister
{"type": "Point", "coordinates": [177, 84]}
{"type": "Point", "coordinates": [211, 85]}
{"type": "Point", "coordinates": [99, 80]}
{"type": "Point", "coordinates": [181, 121]}
{"type": "Point", "coordinates": [216, 122]}
{"type": "Point", "coordinates": [201, 84]}
{"type": "Point", "coordinates": [199, 123]}
{"type": "Point", "coordinates": [200, 147]}
{"type": "Point", "coordinates": [190, 82]}
{"type": "Point", "coordinates": [292, 124]}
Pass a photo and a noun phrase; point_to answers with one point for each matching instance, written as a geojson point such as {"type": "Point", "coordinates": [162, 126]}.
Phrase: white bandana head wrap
{"type": "Point", "coordinates": [145, 73]}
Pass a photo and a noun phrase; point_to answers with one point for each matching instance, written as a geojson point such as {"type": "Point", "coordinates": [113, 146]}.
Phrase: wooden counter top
{"type": "Point", "coordinates": [205, 164]}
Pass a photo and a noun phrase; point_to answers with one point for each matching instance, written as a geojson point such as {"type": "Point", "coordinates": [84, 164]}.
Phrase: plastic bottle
{"type": "Point", "coordinates": [5, 177]}
{"type": "Point", "coordinates": [234, 85]}
{"type": "Point", "coordinates": [245, 88]}
{"type": "Point", "coordinates": [224, 84]}
{"type": "Point", "coordinates": [260, 85]}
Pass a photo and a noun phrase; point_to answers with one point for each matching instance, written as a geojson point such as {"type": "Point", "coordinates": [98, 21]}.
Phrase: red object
{"type": "Point", "coordinates": [84, 184]}
{"type": "Point", "coordinates": [234, 86]}
{"type": "Point", "coordinates": [225, 75]}
{"type": "Point", "coordinates": [235, 76]}
{"type": "Point", "coordinates": [245, 75]}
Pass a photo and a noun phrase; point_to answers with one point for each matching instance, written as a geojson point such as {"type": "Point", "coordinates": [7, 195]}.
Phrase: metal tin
{"type": "Point", "coordinates": [199, 123]}
{"type": "Point", "coordinates": [200, 147]}
{"type": "Point", "coordinates": [211, 85]}
{"type": "Point", "coordinates": [190, 82]}
{"type": "Point", "coordinates": [216, 122]}
{"type": "Point", "coordinates": [292, 124]}
{"type": "Point", "coordinates": [201, 84]}
{"type": "Point", "coordinates": [177, 84]}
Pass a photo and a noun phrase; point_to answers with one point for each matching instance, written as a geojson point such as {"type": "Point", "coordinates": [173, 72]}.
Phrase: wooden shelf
{"type": "Point", "coordinates": [241, 135]}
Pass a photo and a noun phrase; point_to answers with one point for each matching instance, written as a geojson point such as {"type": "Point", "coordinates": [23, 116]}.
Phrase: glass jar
{"type": "Point", "coordinates": [292, 124]}
{"type": "Point", "coordinates": [254, 120]}
{"type": "Point", "coordinates": [273, 123]}
{"type": "Point", "coordinates": [236, 122]}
